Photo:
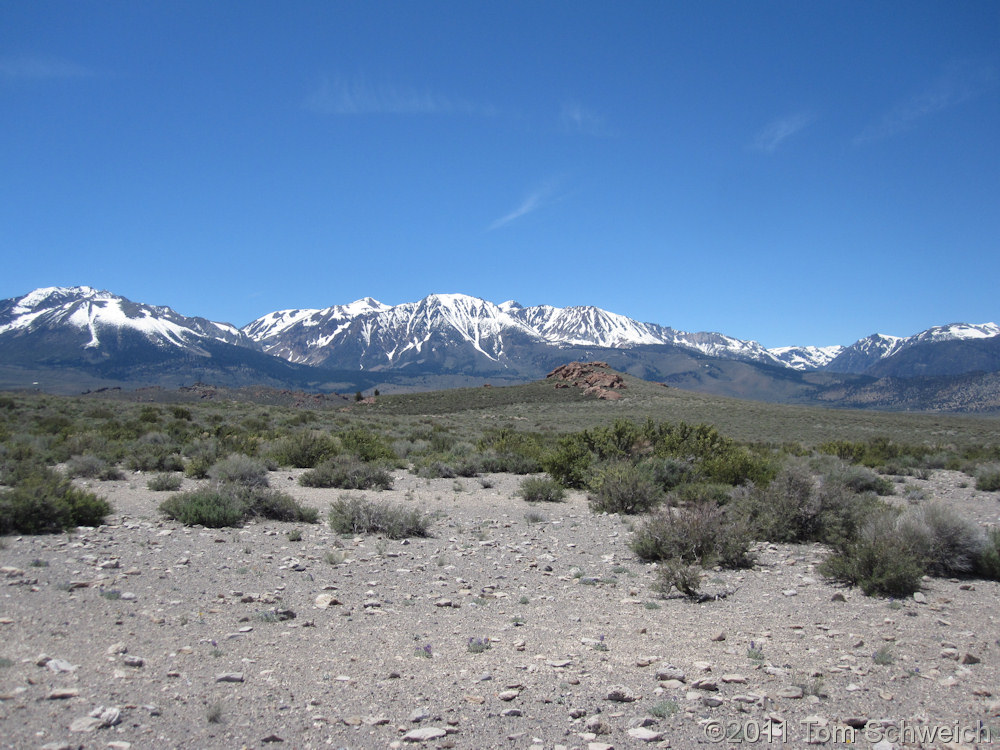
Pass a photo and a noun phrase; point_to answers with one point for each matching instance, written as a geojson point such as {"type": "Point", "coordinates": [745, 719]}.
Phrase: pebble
{"type": "Point", "coordinates": [645, 735]}
{"type": "Point", "coordinates": [793, 692]}
{"type": "Point", "coordinates": [229, 677]}
{"type": "Point", "coordinates": [620, 694]}
{"type": "Point", "coordinates": [424, 734]}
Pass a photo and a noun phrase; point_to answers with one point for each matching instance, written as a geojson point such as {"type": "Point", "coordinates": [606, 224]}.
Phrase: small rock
{"type": "Point", "coordinates": [711, 701]}
{"type": "Point", "coordinates": [86, 724]}
{"type": "Point", "coordinates": [793, 692]}
{"type": "Point", "coordinates": [511, 712]}
{"type": "Point", "coordinates": [919, 598]}
{"type": "Point", "coordinates": [736, 679]}
{"type": "Point", "coordinates": [790, 592]}
{"type": "Point", "coordinates": [702, 666]}
{"type": "Point", "coordinates": [325, 600]}
{"type": "Point", "coordinates": [968, 658]}
{"type": "Point", "coordinates": [838, 597]}
{"type": "Point", "coordinates": [596, 725]}
{"type": "Point", "coordinates": [645, 735]}
{"type": "Point", "coordinates": [720, 636]}
{"type": "Point", "coordinates": [229, 677]}
{"type": "Point", "coordinates": [57, 694]}
{"type": "Point", "coordinates": [417, 715]}
{"type": "Point", "coordinates": [424, 734]}
{"type": "Point", "coordinates": [60, 665]}
{"type": "Point", "coordinates": [579, 713]}
{"type": "Point", "coordinates": [705, 684]}
{"type": "Point", "coordinates": [620, 694]}
{"type": "Point", "coordinates": [508, 695]}
{"type": "Point", "coordinates": [272, 738]}
{"type": "Point", "coordinates": [133, 661]}
{"type": "Point", "coordinates": [670, 673]}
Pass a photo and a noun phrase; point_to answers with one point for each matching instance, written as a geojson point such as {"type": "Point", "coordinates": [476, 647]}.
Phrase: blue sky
{"type": "Point", "coordinates": [795, 173]}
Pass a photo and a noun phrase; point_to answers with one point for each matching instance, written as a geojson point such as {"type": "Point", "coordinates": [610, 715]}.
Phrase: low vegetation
{"type": "Point", "coordinates": [704, 479]}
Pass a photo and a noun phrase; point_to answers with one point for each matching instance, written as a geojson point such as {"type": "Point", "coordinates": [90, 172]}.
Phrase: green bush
{"type": "Point", "coordinates": [670, 473]}
{"type": "Point", "coordinates": [48, 503]}
{"type": "Point", "coordinates": [304, 450]}
{"type": "Point", "coordinates": [209, 507]}
{"type": "Point", "coordinates": [357, 515]}
{"type": "Point", "coordinates": [619, 486]}
{"type": "Point", "coordinates": [367, 445]}
{"type": "Point", "coordinates": [239, 469]}
{"type": "Point", "coordinates": [541, 489]}
{"type": "Point", "coordinates": [153, 456]}
{"type": "Point", "coordinates": [569, 463]}
{"type": "Point", "coordinates": [347, 473]}
{"type": "Point", "coordinates": [861, 479]}
{"type": "Point", "coordinates": [232, 504]}
{"type": "Point", "coordinates": [880, 560]}
{"type": "Point", "coordinates": [988, 478]}
{"type": "Point", "coordinates": [737, 466]}
{"type": "Point", "coordinates": [677, 574]}
{"type": "Point", "coordinates": [164, 483]}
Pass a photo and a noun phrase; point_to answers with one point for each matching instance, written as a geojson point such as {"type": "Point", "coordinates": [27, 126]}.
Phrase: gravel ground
{"type": "Point", "coordinates": [513, 626]}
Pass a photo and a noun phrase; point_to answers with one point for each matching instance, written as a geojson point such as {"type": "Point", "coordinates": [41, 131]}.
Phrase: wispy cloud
{"type": "Point", "coordinates": [778, 131]}
{"type": "Point", "coordinates": [537, 198]}
{"type": "Point", "coordinates": [578, 118]}
{"type": "Point", "coordinates": [360, 97]}
{"type": "Point", "coordinates": [40, 69]}
{"type": "Point", "coordinates": [959, 83]}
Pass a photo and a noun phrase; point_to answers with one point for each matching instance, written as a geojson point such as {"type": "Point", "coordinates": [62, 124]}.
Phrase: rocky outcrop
{"type": "Point", "coordinates": [595, 378]}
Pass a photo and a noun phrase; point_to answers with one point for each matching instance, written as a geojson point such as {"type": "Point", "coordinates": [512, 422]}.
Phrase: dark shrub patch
{"type": "Point", "coordinates": [47, 503]}
{"type": "Point", "coordinates": [356, 515]}
{"type": "Point", "coordinates": [348, 473]}
{"type": "Point", "coordinates": [541, 489]}
{"type": "Point", "coordinates": [622, 487]}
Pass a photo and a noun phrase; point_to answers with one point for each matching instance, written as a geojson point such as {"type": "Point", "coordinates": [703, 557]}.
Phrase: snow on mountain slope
{"type": "Point", "coordinates": [588, 326]}
{"type": "Point", "coordinates": [96, 312]}
{"type": "Point", "coordinates": [806, 357]}
{"type": "Point", "coordinates": [954, 331]}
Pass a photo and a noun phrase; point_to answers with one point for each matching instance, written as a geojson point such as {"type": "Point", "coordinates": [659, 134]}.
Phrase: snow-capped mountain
{"type": "Point", "coordinates": [97, 337]}
{"type": "Point", "coordinates": [381, 336]}
{"type": "Point", "coordinates": [805, 357]}
{"type": "Point", "coordinates": [97, 314]}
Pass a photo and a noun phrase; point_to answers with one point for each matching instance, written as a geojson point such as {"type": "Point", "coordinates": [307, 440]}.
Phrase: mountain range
{"type": "Point", "coordinates": [73, 338]}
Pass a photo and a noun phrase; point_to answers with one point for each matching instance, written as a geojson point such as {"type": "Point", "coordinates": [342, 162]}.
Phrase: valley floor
{"type": "Point", "coordinates": [513, 626]}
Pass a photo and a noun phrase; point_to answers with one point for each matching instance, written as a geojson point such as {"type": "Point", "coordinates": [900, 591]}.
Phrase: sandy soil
{"type": "Point", "coordinates": [501, 630]}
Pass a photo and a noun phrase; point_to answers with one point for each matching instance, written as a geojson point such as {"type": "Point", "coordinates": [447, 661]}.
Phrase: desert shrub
{"type": "Point", "coordinates": [92, 467]}
{"type": "Point", "coordinates": [198, 467]}
{"type": "Point", "coordinates": [508, 463]}
{"type": "Point", "coordinates": [879, 560]}
{"type": "Point", "coordinates": [304, 449]}
{"type": "Point", "coordinates": [677, 574]}
{"type": "Point", "coordinates": [948, 543]}
{"type": "Point", "coordinates": [357, 515]}
{"type": "Point", "coordinates": [435, 469]}
{"type": "Point", "coordinates": [620, 486]}
{"type": "Point", "coordinates": [206, 506]}
{"type": "Point", "coordinates": [239, 469]}
{"type": "Point", "coordinates": [48, 503]}
{"type": "Point", "coordinates": [569, 463]}
{"type": "Point", "coordinates": [153, 455]}
{"type": "Point", "coordinates": [695, 492]}
{"type": "Point", "coordinates": [669, 473]}
{"type": "Point", "coordinates": [164, 483]}
{"type": "Point", "coordinates": [541, 489]}
{"type": "Point", "coordinates": [794, 508]}
{"type": "Point", "coordinates": [988, 564]}
{"type": "Point", "coordinates": [737, 466]}
{"type": "Point", "coordinates": [232, 504]}
{"type": "Point", "coordinates": [861, 479]}
{"type": "Point", "coordinates": [988, 478]}
{"type": "Point", "coordinates": [367, 445]}
{"type": "Point", "coordinates": [347, 473]}
{"type": "Point", "coordinates": [703, 534]}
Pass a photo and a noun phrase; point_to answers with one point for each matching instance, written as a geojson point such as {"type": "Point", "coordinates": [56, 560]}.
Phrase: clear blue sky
{"type": "Point", "coordinates": [792, 172]}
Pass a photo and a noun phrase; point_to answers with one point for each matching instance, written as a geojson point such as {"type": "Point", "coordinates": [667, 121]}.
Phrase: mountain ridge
{"type": "Point", "coordinates": [458, 338]}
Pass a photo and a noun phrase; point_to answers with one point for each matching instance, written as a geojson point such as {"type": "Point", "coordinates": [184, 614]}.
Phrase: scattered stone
{"type": "Point", "coordinates": [58, 694]}
{"type": "Point", "coordinates": [272, 738]}
{"type": "Point", "coordinates": [736, 679]}
{"type": "Point", "coordinates": [325, 600]}
{"type": "Point", "coordinates": [229, 677]}
{"type": "Point", "coordinates": [508, 695]}
{"type": "Point", "coordinates": [838, 597]}
{"type": "Point", "coordinates": [919, 598]}
{"type": "Point", "coordinates": [417, 715]}
{"type": "Point", "coordinates": [86, 724]}
{"type": "Point", "coordinates": [720, 636]}
{"type": "Point", "coordinates": [703, 666]}
{"type": "Point", "coordinates": [705, 684]}
{"type": "Point", "coordinates": [60, 665]}
{"type": "Point", "coordinates": [424, 734]}
{"type": "Point", "coordinates": [670, 673]}
{"type": "Point", "coordinates": [596, 725]}
{"type": "Point", "coordinates": [790, 592]}
{"type": "Point", "coordinates": [620, 694]}
{"type": "Point", "coordinates": [511, 712]}
{"type": "Point", "coordinates": [711, 701]}
{"type": "Point", "coordinates": [968, 658]}
{"type": "Point", "coordinates": [645, 735]}
{"type": "Point", "coordinates": [577, 713]}
{"type": "Point", "coordinates": [133, 661]}
{"type": "Point", "coordinates": [793, 692]}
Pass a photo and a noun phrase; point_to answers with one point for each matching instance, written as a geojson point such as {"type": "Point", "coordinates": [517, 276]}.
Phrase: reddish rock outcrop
{"type": "Point", "coordinates": [595, 378]}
